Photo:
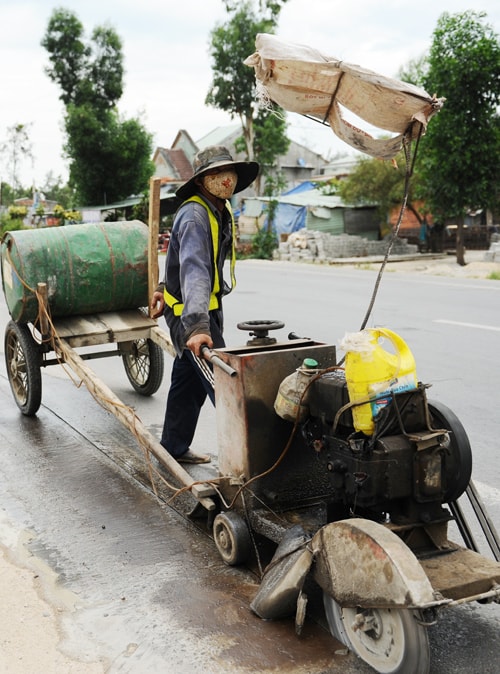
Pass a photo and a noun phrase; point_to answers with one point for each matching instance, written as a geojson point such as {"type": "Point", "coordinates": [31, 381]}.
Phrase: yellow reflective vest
{"type": "Point", "coordinates": [173, 302]}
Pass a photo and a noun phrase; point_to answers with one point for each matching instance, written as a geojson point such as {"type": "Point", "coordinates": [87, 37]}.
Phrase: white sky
{"type": "Point", "coordinates": [167, 64]}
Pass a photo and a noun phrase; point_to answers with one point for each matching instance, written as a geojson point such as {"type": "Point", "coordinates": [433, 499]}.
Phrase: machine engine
{"type": "Point", "coordinates": [312, 463]}
{"type": "Point", "coordinates": [418, 457]}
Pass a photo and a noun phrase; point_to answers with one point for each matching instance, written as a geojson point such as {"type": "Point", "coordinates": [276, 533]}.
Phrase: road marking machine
{"type": "Point", "coordinates": [345, 469]}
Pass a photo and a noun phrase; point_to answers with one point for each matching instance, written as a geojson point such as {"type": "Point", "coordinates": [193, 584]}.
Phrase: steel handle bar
{"type": "Point", "coordinates": [216, 360]}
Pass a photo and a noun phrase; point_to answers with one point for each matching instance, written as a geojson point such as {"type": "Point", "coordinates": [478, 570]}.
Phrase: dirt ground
{"type": "Point", "coordinates": [437, 265]}
{"type": "Point", "coordinates": [30, 630]}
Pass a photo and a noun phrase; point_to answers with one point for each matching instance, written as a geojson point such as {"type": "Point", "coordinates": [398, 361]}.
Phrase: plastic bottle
{"type": "Point", "coordinates": [372, 373]}
{"type": "Point", "coordinates": [289, 404]}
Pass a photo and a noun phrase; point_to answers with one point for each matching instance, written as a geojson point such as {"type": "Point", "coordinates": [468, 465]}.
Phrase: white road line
{"type": "Point", "coordinates": [479, 326]}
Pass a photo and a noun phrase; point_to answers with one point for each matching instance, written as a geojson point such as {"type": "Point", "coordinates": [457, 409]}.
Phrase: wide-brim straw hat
{"type": "Point", "coordinates": [218, 156]}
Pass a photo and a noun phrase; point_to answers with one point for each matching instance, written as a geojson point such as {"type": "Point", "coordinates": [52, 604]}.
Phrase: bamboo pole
{"type": "Point", "coordinates": [160, 337]}
{"type": "Point", "coordinates": [154, 227]}
{"type": "Point", "coordinates": [130, 420]}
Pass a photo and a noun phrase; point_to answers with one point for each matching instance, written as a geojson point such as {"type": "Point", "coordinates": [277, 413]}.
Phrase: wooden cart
{"type": "Point", "coordinates": [74, 340]}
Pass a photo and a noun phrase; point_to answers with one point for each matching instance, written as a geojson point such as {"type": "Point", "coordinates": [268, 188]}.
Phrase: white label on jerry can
{"type": "Point", "coordinates": [404, 383]}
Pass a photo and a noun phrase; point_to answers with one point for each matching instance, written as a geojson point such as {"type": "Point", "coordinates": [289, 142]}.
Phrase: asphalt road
{"type": "Point", "coordinates": [141, 588]}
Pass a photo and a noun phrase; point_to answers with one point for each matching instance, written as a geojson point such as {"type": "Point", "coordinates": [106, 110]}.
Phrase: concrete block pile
{"type": "Point", "coordinates": [493, 254]}
{"type": "Point", "coordinates": [310, 246]}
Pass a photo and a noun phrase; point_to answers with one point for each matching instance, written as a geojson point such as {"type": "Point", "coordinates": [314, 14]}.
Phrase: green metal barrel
{"type": "Point", "coordinates": [88, 269]}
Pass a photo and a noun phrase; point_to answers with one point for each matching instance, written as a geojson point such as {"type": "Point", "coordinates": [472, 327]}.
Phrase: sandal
{"type": "Point", "coordinates": [190, 457]}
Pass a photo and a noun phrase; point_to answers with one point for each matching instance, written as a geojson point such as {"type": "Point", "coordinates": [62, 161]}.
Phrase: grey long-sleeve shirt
{"type": "Point", "coordinates": [189, 272]}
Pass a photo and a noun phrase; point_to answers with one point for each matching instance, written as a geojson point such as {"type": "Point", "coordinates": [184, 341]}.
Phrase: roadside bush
{"type": "Point", "coordinates": [263, 244]}
{"type": "Point", "coordinates": [17, 212]}
{"type": "Point", "coordinates": [9, 224]}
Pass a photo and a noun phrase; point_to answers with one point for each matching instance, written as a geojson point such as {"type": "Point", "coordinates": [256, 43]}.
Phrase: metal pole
{"type": "Point", "coordinates": [217, 360]}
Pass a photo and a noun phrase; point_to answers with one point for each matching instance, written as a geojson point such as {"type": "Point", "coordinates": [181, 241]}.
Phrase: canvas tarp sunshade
{"type": "Point", "coordinates": [303, 80]}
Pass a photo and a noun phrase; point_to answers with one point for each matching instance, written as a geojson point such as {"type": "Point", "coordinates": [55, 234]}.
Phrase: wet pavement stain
{"type": "Point", "coordinates": [149, 586]}
{"type": "Point", "coordinates": [219, 605]}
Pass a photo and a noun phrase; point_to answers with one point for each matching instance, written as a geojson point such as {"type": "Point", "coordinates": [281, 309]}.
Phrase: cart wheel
{"type": "Point", "coordinates": [458, 466]}
{"type": "Point", "coordinates": [23, 359]}
{"type": "Point", "coordinates": [144, 366]}
{"type": "Point", "coordinates": [232, 538]}
{"type": "Point", "coordinates": [392, 641]}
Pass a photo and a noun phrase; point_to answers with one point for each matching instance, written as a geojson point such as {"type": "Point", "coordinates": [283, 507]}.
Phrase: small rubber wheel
{"type": "Point", "coordinates": [23, 360]}
{"type": "Point", "coordinates": [232, 538]}
{"type": "Point", "coordinates": [144, 366]}
{"type": "Point", "coordinates": [391, 640]}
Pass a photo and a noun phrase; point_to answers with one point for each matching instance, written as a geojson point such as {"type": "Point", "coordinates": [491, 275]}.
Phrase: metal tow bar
{"type": "Point", "coordinates": [485, 522]}
{"type": "Point", "coordinates": [209, 355]}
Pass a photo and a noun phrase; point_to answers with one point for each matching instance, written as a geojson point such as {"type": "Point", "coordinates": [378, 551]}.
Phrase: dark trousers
{"type": "Point", "coordinates": [189, 389]}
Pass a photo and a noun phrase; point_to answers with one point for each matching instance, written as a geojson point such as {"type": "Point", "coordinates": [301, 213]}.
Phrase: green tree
{"type": "Point", "coordinates": [10, 223]}
{"type": "Point", "coordinates": [458, 160]}
{"type": "Point", "coordinates": [233, 88]}
{"type": "Point", "coordinates": [17, 148]}
{"type": "Point", "coordinates": [270, 139]}
{"type": "Point", "coordinates": [414, 71]}
{"type": "Point", "coordinates": [109, 156]}
{"type": "Point", "coordinates": [374, 181]}
{"type": "Point", "coordinates": [113, 156]}
{"type": "Point", "coordinates": [54, 189]}
{"type": "Point", "coordinates": [69, 55]}
{"type": "Point", "coordinates": [84, 72]}
{"type": "Point", "coordinates": [9, 194]}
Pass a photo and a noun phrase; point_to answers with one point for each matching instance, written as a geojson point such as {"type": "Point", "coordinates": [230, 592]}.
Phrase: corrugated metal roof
{"type": "Point", "coordinates": [117, 204]}
{"type": "Point", "coordinates": [165, 193]}
{"type": "Point", "coordinates": [310, 198]}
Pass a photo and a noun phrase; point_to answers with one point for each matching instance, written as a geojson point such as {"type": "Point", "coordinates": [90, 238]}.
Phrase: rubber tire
{"type": "Point", "coordinates": [23, 361]}
{"type": "Point", "coordinates": [398, 625]}
{"type": "Point", "coordinates": [144, 366]}
{"type": "Point", "coordinates": [459, 467]}
{"type": "Point", "coordinates": [232, 538]}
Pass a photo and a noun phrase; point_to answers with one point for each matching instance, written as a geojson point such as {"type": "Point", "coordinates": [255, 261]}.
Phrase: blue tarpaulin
{"type": "Point", "coordinates": [291, 217]}
{"type": "Point", "coordinates": [306, 186]}
{"type": "Point", "coordinates": [292, 209]}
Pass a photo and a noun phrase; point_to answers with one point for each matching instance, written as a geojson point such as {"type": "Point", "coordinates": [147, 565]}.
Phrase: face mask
{"type": "Point", "coordinates": [221, 185]}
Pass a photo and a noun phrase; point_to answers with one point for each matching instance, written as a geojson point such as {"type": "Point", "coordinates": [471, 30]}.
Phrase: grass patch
{"type": "Point", "coordinates": [494, 276]}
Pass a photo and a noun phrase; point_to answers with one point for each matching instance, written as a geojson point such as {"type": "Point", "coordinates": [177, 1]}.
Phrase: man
{"type": "Point", "coordinates": [190, 297]}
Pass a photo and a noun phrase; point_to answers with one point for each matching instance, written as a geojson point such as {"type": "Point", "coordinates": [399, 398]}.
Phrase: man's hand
{"type": "Point", "coordinates": [195, 343]}
{"type": "Point", "coordinates": [157, 305]}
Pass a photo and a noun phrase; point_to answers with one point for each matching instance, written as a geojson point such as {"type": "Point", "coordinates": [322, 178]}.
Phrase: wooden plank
{"type": "Point", "coordinates": [160, 337]}
{"type": "Point", "coordinates": [154, 228]}
{"type": "Point", "coordinates": [90, 327]}
{"type": "Point", "coordinates": [104, 328]}
{"type": "Point", "coordinates": [461, 573]}
{"type": "Point", "coordinates": [43, 303]}
{"type": "Point", "coordinates": [130, 420]}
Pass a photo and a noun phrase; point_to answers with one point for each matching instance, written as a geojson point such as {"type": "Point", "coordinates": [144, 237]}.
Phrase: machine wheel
{"type": "Point", "coordinates": [459, 457]}
{"type": "Point", "coordinates": [232, 538]}
{"type": "Point", "coordinates": [392, 641]}
{"type": "Point", "coordinates": [22, 359]}
{"type": "Point", "coordinates": [144, 366]}
{"type": "Point", "coordinates": [260, 326]}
